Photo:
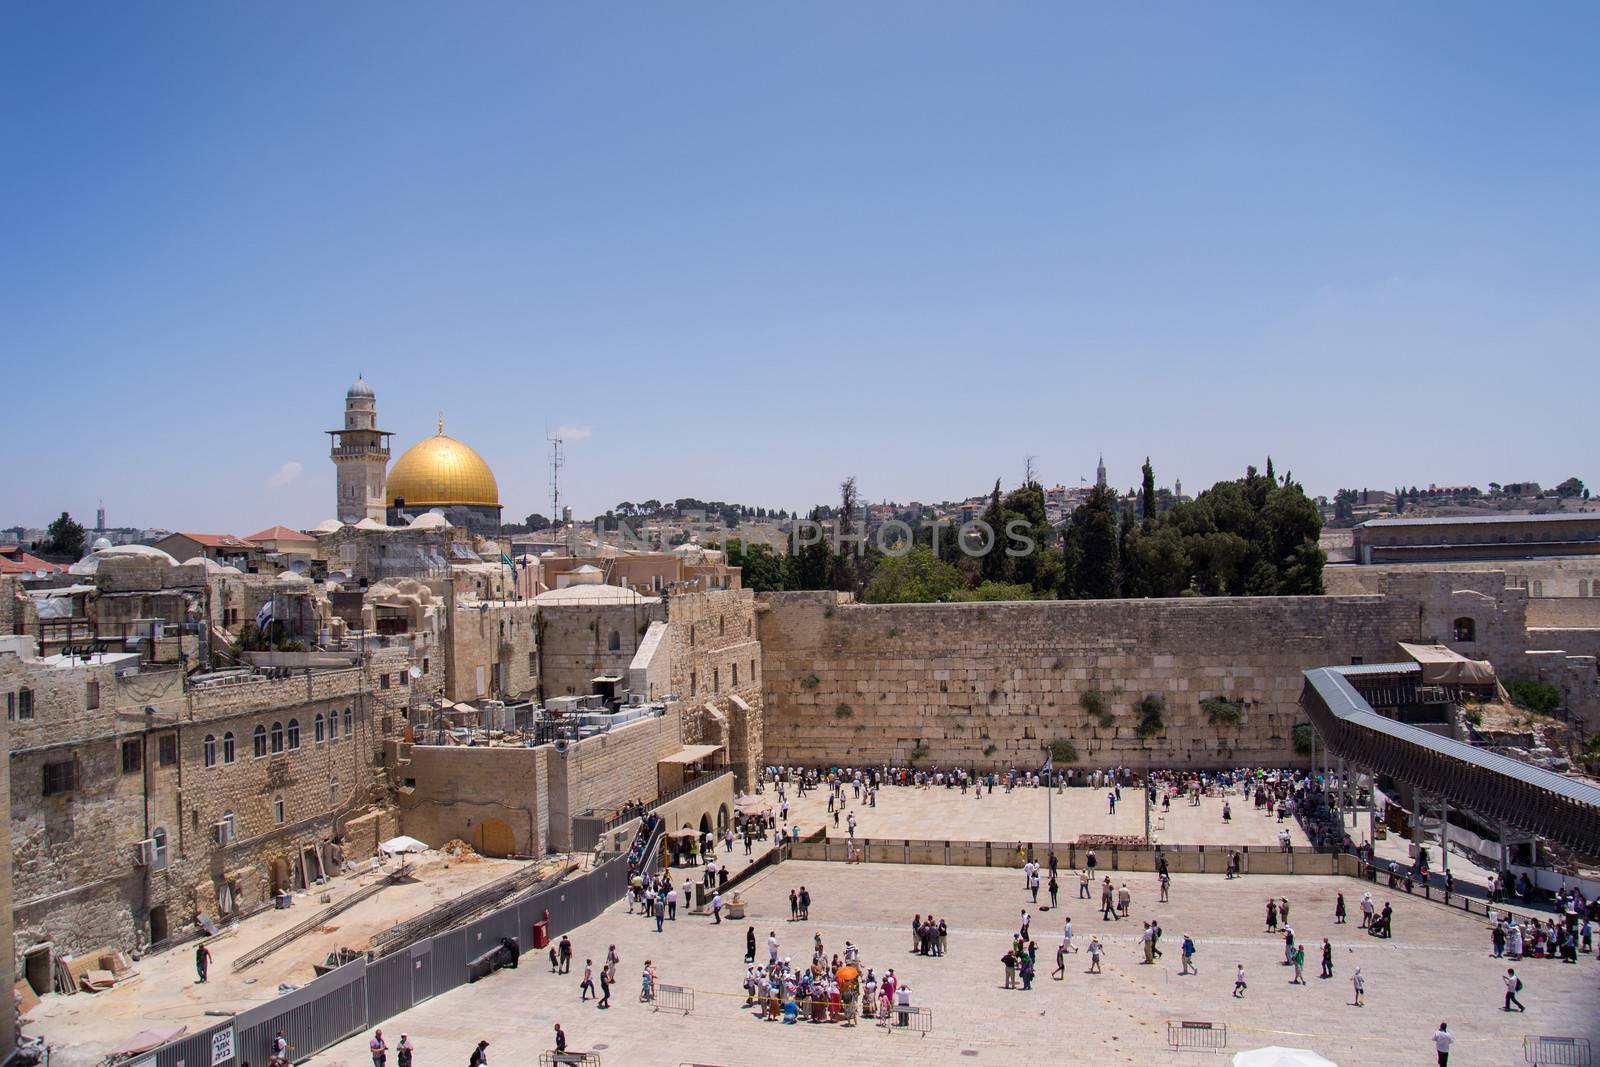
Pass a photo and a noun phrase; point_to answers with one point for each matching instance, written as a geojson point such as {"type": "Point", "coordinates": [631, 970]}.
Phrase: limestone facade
{"type": "Point", "coordinates": [717, 673]}
{"type": "Point", "coordinates": [992, 685]}
{"type": "Point", "coordinates": [493, 651]}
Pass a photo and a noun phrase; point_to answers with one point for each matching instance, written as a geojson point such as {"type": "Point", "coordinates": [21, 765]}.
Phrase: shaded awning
{"type": "Point", "coordinates": [1445, 666]}
{"type": "Point", "coordinates": [690, 754]}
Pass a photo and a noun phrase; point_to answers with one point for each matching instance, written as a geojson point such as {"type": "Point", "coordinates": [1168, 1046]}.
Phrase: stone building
{"type": "Point", "coordinates": [716, 669]}
{"type": "Point", "coordinates": [588, 630]}
{"type": "Point", "coordinates": [360, 454]}
{"type": "Point", "coordinates": [141, 799]}
{"type": "Point", "coordinates": [1478, 537]}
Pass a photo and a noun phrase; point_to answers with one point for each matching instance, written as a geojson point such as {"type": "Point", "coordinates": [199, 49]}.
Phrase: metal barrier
{"type": "Point", "coordinates": [1556, 1051]}
{"type": "Point", "coordinates": [562, 1059]}
{"type": "Point", "coordinates": [1188, 1034]}
{"type": "Point", "coordinates": [913, 1020]}
{"type": "Point", "coordinates": [674, 998]}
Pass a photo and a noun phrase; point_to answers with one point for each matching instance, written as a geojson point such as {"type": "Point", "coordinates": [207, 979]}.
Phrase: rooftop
{"type": "Point", "coordinates": [1473, 520]}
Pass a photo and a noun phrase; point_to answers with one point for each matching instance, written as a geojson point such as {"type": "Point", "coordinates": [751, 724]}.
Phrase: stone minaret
{"type": "Point", "coordinates": [1100, 473]}
{"type": "Point", "coordinates": [361, 457]}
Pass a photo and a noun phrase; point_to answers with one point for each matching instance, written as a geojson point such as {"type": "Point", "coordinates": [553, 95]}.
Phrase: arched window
{"type": "Point", "coordinates": [208, 750]}
{"type": "Point", "coordinates": [258, 741]}
{"type": "Point", "coordinates": [1465, 629]}
{"type": "Point", "coordinates": [349, 728]}
{"type": "Point", "coordinates": [277, 810]}
{"type": "Point", "coordinates": [319, 728]}
{"type": "Point", "coordinates": [227, 747]}
{"type": "Point", "coordinates": [277, 737]}
{"type": "Point", "coordinates": [159, 860]}
{"type": "Point", "coordinates": [294, 734]}
{"type": "Point", "coordinates": [614, 642]}
{"type": "Point", "coordinates": [1538, 588]}
{"type": "Point", "coordinates": [333, 726]}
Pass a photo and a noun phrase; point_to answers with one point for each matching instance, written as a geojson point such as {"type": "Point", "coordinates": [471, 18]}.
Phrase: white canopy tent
{"type": "Point", "coordinates": [1279, 1056]}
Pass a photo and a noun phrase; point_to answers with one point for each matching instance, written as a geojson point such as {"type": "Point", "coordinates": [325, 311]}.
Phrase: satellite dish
{"type": "Point", "coordinates": [415, 671]}
{"type": "Point", "coordinates": [299, 566]}
{"type": "Point", "coordinates": [41, 573]}
{"type": "Point", "coordinates": [561, 747]}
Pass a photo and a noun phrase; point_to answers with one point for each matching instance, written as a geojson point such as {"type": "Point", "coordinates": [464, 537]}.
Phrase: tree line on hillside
{"type": "Point", "coordinates": [1250, 536]}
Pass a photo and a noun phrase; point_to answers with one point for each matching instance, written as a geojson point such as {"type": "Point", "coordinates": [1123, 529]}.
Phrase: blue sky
{"type": "Point", "coordinates": [752, 248]}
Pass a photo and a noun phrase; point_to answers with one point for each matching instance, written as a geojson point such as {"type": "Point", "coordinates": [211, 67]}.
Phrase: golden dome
{"type": "Point", "coordinates": [441, 471]}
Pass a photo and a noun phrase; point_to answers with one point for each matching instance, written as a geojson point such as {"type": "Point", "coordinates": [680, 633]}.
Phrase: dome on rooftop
{"type": "Point", "coordinates": [440, 471]}
{"type": "Point", "coordinates": [360, 388]}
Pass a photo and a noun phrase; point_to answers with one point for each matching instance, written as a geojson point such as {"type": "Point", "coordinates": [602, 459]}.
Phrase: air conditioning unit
{"type": "Point", "coordinates": [224, 832]}
{"type": "Point", "coordinates": [144, 853]}
{"type": "Point", "coordinates": [635, 700]}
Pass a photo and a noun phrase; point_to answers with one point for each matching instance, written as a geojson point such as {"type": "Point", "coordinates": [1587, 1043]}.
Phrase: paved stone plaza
{"type": "Point", "coordinates": [940, 814]}
{"type": "Point", "coordinates": [1437, 966]}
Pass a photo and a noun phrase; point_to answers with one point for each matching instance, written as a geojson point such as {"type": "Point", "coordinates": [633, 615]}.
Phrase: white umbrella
{"type": "Point", "coordinates": [399, 846]}
{"type": "Point", "coordinates": [1278, 1056]}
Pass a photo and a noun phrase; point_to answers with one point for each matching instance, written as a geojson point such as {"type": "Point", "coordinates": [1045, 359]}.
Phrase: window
{"type": "Point", "coordinates": [613, 641]}
{"type": "Point", "coordinates": [227, 747]}
{"type": "Point", "coordinates": [425, 665]}
{"type": "Point", "coordinates": [277, 810]}
{"type": "Point", "coordinates": [1538, 588]}
{"type": "Point", "coordinates": [60, 777]}
{"type": "Point", "coordinates": [716, 679]}
{"type": "Point", "coordinates": [333, 791]}
{"type": "Point", "coordinates": [318, 728]}
{"type": "Point", "coordinates": [694, 686]}
{"type": "Point", "coordinates": [691, 635]}
{"type": "Point", "coordinates": [132, 756]}
{"type": "Point", "coordinates": [333, 726]}
{"type": "Point", "coordinates": [734, 679]}
{"type": "Point", "coordinates": [24, 703]}
{"type": "Point", "coordinates": [167, 749]}
{"type": "Point", "coordinates": [258, 741]}
{"type": "Point", "coordinates": [722, 626]}
{"type": "Point", "coordinates": [747, 625]}
{"type": "Point", "coordinates": [1465, 629]}
{"type": "Point", "coordinates": [533, 664]}
{"type": "Point", "coordinates": [404, 677]}
{"type": "Point", "coordinates": [294, 735]}
{"type": "Point", "coordinates": [158, 859]}
{"type": "Point", "coordinates": [231, 824]}
{"type": "Point", "coordinates": [383, 680]}
{"type": "Point", "coordinates": [11, 707]}
{"type": "Point", "coordinates": [349, 721]}
{"type": "Point", "coordinates": [208, 751]}
{"type": "Point", "coordinates": [277, 738]}
{"type": "Point", "coordinates": [91, 696]}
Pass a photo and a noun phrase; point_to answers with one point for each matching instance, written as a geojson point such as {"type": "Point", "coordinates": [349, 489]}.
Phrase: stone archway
{"type": "Point", "coordinates": [496, 838]}
{"type": "Point", "coordinates": [722, 817]}
{"type": "Point", "coordinates": [705, 823]}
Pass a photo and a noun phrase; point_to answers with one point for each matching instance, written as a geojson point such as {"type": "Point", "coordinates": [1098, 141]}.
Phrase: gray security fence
{"type": "Point", "coordinates": [363, 994]}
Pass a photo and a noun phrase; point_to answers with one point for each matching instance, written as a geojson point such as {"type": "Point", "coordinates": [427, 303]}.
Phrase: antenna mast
{"type": "Point", "coordinates": [555, 477]}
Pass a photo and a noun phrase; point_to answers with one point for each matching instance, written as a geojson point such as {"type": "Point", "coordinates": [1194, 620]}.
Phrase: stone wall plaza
{"type": "Point", "coordinates": [991, 685]}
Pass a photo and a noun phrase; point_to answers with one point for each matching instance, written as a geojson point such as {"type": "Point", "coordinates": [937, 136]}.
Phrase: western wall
{"type": "Point", "coordinates": [991, 685]}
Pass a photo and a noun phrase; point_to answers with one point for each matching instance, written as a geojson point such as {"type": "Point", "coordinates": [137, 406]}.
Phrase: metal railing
{"type": "Point", "coordinates": [912, 1020]}
{"type": "Point", "coordinates": [1185, 1035]}
{"type": "Point", "coordinates": [1556, 1051]}
{"type": "Point", "coordinates": [696, 782]}
{"type": "Point", "coordinates": [674, 998]}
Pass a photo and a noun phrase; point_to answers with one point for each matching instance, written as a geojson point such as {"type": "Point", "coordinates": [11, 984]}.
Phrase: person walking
{"type": "Point", "coordinates": [1054, 888]}
{"type": "Point", "coordinates": [1166, 885]}
{"type": "Point", "coordinates": [1066, 935]}
{"type": "Point", "coordinates": [1272, 915]}
{"type": "Point", "coordinates": [1367, 908]}
{"type": "Point", "coordinates": [1299, 966]}
{"type": "Point", "coordinates": [1060, 973]}
{"type": "Point", "coordinates": [605, 988]}
{"type": "Point", "coordinates": [1188, 957]}
{"type": "Point", "coordinates": [1360, 985]}
{"type": "Point", "coordinates": [1441, 1044]}
{"type": "Point", "coordinates": [1338, 910]}
{"type": "Point", "coordinates": [1095, 951]}
{"type": "Point", "coordinates": [379, 1048]}
{"type": "Point", "coordinates": [805, 904]}
{"type": "Point", "coordinates": [586, 987]}
{"type": "Point", "coordinates": [1083, 885]}
{"type": "Point", "coordinates": [561, 1039]}
{"type": "Point", "coordinates": [202, 960]}
{"type": "Point", "coordinates": [1327, 959]}
{"type": "Point", "coordinates": [1108, 907]}
{"type": "Point", "coordinates": [1239, 984]}
{"type": "Point", "coordinates": [772, 948]}
{"type": "Point", "coordinates": [1513, 987]}
{"type": "Point", "coordinates": [564, 953]}
{"type": "Point", "coordinates": [716, 908]}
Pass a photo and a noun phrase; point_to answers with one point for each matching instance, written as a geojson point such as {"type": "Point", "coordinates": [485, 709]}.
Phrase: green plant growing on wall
{"type": "Point", "coordinates": [1220, 711]}
{"type": "Point", "coordinates": [920, 752]}
{"type": "Point", "coordinates": [1063, 751]}
{"type": "Point", "coordinates": [1094, 703]}
{"type": "Point", "coordinates": [1534, 696]}
{"type": "Point", "coordinates": [843, 711]}
{"type": "Point", "coordinates": [1475, 716]}
{"type": "Point", "coordinates": [1152, 715]}
{"type": "Point", "coordinates": [1304, 737]}
{"type": "Point", "coordinates": [810, 681]}
{"type": "Point", "coordinates": [989, 750]}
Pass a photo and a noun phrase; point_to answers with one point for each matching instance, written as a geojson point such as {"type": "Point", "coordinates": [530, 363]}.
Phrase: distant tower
{"type": "Point", "coordinates": [1100, 472]}
{"type": "Point", "coordinates": [1177, 488]}
{"type": "Point", "coordinates": [360, 456]}
{"type": "Point", "coordinates": [100, 518]}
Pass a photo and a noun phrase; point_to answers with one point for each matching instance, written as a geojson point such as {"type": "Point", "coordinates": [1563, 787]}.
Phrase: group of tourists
{"type": "Point", "coordinates": [831, 989]}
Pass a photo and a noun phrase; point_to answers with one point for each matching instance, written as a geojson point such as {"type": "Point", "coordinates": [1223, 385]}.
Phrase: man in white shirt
{"type": "Point", "coordinates": [772, 947]}
{"type": "Point", "coordinates": [1066, 935]}
{"type": "Point", "coordinates": [1441, 1044]}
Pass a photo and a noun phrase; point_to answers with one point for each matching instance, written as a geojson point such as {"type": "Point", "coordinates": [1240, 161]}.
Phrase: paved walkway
{"type": "Point", "coordinates": [1438, 966]}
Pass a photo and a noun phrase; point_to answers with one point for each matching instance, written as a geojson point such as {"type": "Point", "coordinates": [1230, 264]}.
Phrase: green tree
{"type": "Point", "coordinates": [1091, 549]}
{"type": "Point", "coordinates": [995, 564]}
{"type": "Point", "coordinates": [1570, 488]}
{"type": "Point", "coordinates": [64, 538]}
{"type": "Point", "coordinates": [918, 577]}
{"type": "Point", "coordinates": [811, 565]}
{"type": "Point", "coordinates": [763, 569]}
{"type": "Point", "coordinates": [1147, 496]}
